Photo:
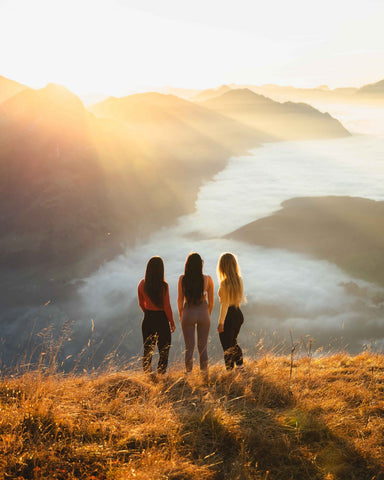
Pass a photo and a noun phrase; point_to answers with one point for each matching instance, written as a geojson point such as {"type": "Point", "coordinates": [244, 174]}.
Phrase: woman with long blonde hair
{"type": "Point", "coordinates": [231, 317]}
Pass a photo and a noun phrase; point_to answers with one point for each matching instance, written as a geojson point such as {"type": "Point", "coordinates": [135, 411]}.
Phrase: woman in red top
{"type": "Point", "coordinates": [153, 295]}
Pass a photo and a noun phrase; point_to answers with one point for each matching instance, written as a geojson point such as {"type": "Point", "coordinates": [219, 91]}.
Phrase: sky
{"type": "Point", "coordinates": [116, 47]}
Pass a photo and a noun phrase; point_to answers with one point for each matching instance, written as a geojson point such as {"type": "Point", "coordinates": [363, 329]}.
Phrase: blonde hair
{"type": "Point", "coordinates": [231, 284]}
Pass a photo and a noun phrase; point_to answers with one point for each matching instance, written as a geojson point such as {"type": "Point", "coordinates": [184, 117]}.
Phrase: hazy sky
{"type": "Point", "coordinates": [119, 46]}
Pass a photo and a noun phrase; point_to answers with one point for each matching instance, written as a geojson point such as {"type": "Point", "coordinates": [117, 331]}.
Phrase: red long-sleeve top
{"type": "Point", "coordinates": [146, 303]}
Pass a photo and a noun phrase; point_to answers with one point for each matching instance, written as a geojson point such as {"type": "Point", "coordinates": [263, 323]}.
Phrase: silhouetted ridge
{"type": "Point", "coordinates": [282, 121]}
{"type": "Point", "coordinates": [169, 119]}
{"type": "Point", "coordinates": [347, 231]}
{"type": "Point", "coordinates": [9, 88]}
{"type": "Point", "coordinates": [51, 101]}
{"type": "Point", "coordinates": [74, 186]}
{"type": "Point", "coordinates": [211, 93]}
{"type": "Point", "coordinates": [241, 96]}
{"type": "Point", "coordinates": [372, 89]}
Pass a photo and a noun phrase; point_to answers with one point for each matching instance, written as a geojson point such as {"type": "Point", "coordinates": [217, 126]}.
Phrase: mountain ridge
{"type": "Point", "coordinates": [283, 121]}
{"type": "Point", "coordinates": [9, 88]}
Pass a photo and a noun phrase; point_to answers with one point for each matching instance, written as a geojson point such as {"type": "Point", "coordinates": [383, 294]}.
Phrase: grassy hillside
{"type": "Point", "coordinates": [313, 418]}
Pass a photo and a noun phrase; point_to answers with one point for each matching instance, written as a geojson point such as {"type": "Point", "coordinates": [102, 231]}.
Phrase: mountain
{"type": "Point", "coordinates": [186, 93]}
{"type": "Point", "coordinates": [74, 188]}
{"type": "Point", "coordinates": [370, 94]}
{"type": "Point", "coordinates": [9, 88]}
{"type": "Point", "coordinates": [372, 90]}
{"type": "Point", "coordinates": [54, 205]}
{"type": "Point", "coordinates": [211, 93]}
{"type": "Point", "coordinates": [319, 95]}
{"type": "Point", "coordinates": [70, 183]}
{"type": "Point", "coordinates": [347, 231]}
{"type": "Point", "coordinates": [90, 99]}
{"type": "Point", "coordinates": [283, 121]}
{"type": "Point", "coordinates": [191, 131]}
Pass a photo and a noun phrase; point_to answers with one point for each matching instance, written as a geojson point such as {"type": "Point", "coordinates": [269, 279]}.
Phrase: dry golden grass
{"type": "Point", "coordinates": [321, 419]}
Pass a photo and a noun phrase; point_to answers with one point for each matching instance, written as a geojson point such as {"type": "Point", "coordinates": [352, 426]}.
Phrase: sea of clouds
{"type": "Point", "coordinates": [285, 291]}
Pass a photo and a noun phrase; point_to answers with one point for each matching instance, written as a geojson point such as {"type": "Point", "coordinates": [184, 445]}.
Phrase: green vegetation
{"type": "Point", "coordinates": [314, 418]}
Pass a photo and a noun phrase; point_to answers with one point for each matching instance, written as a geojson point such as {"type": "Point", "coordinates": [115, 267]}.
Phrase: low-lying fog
{"type": "Point", "coordinates": [285, 291]}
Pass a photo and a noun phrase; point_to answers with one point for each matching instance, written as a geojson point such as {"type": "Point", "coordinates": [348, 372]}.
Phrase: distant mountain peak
{"type": "Point", "coordinates": [61, 94]}
{"type": "Point", "coordinates": [281, 121]}
{"type": "Point", "coordinates": [51, 99]}
{"type": "Point", "coordinates": [139, 99]}
{"type": "Point", "coordinates": [211, 93]}
{"type": "Point", "coordinates": [373, 88]}
{"type": "Point", "coordinates": [55, 87]}
{"type": "Point", "coordinates": [241, 95]}
{"type": "Point", "coordinates": [9, 88]}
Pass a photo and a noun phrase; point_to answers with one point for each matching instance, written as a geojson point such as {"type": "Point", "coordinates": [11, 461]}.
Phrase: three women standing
{"type": "Point", "coordinates": [195, 304]}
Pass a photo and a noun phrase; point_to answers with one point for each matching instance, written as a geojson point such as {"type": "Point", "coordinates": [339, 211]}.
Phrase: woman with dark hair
{"type": "Point", "coordinates": [153, 295]}
{"type": "Point", "coordinates": [195, 303]}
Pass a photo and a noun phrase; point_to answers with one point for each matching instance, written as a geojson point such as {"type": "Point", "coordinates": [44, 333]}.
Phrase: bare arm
{"type": "Point", "coordinates": [223, 312]}
{"type": "Point", "coordinates": [180, 297]}
{"type": "Point", "coordinates": [168, 309]}
{"type": "Point", "coordinates": [140, 295]}
{"type": "Point", "coordinates": [210, 294]}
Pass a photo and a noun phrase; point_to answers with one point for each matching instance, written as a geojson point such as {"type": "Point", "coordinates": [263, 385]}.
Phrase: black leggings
{"type": "Point", "coordinates": [228, 338]}
{"type": "Point", "coordinates": [156, 330]}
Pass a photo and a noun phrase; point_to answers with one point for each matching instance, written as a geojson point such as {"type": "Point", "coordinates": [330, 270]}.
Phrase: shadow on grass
{"type": "Point", "coordinates": [225, 425]}
{"type": "Point", "coordinates": [333, 456]}
{"type": "Point", "coordinates": [243, 426]}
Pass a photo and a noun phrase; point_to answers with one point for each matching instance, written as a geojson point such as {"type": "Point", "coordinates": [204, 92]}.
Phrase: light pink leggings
{"type": "Point", "coordinates": [196, 316]}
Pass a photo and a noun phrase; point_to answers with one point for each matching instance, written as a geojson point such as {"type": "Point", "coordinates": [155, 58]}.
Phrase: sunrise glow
{"type": "Point", "coordinates": [118, 47]}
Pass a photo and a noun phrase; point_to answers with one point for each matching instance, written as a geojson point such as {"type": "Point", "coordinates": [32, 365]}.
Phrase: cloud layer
{"type": "Point", "coordinates": [285, 291]}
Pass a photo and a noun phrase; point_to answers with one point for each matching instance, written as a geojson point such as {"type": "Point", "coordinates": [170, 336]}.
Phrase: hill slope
{"type": "Point", "coordinates": [347, 231]}
{"type": "Point", "coordinates": [55, 202]}
{"type": "Point", "coordinates": [372, 90]}
{"type": "Point", "coordinates": [282, 121]}
{"type": "Point", "coordinates": [318, 95]}
{"type": "Point", "coordinates": [9, 88]}
{"type": "Point", "coordinates": [306, 419]}
{"type": "Point", "coordinates": [211, 93]}
{"type": "Point", "coordinates": [72, 184]}
{"type": "Point", "coordinates": [183, 125]}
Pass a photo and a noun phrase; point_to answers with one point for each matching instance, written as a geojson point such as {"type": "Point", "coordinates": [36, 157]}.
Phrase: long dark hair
{"type": "Point", "coordinates": [154, 284]}
{"type": "Point", "coordinates": [193, 280]}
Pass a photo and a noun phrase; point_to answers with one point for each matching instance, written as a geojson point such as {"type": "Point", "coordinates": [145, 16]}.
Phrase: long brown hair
{"type": "Point", "coordinates": [193, 279]}
{"type": "Point", "coordinates": [231, 284]}
{"type": "Point", "coordinates": [154, 283]}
